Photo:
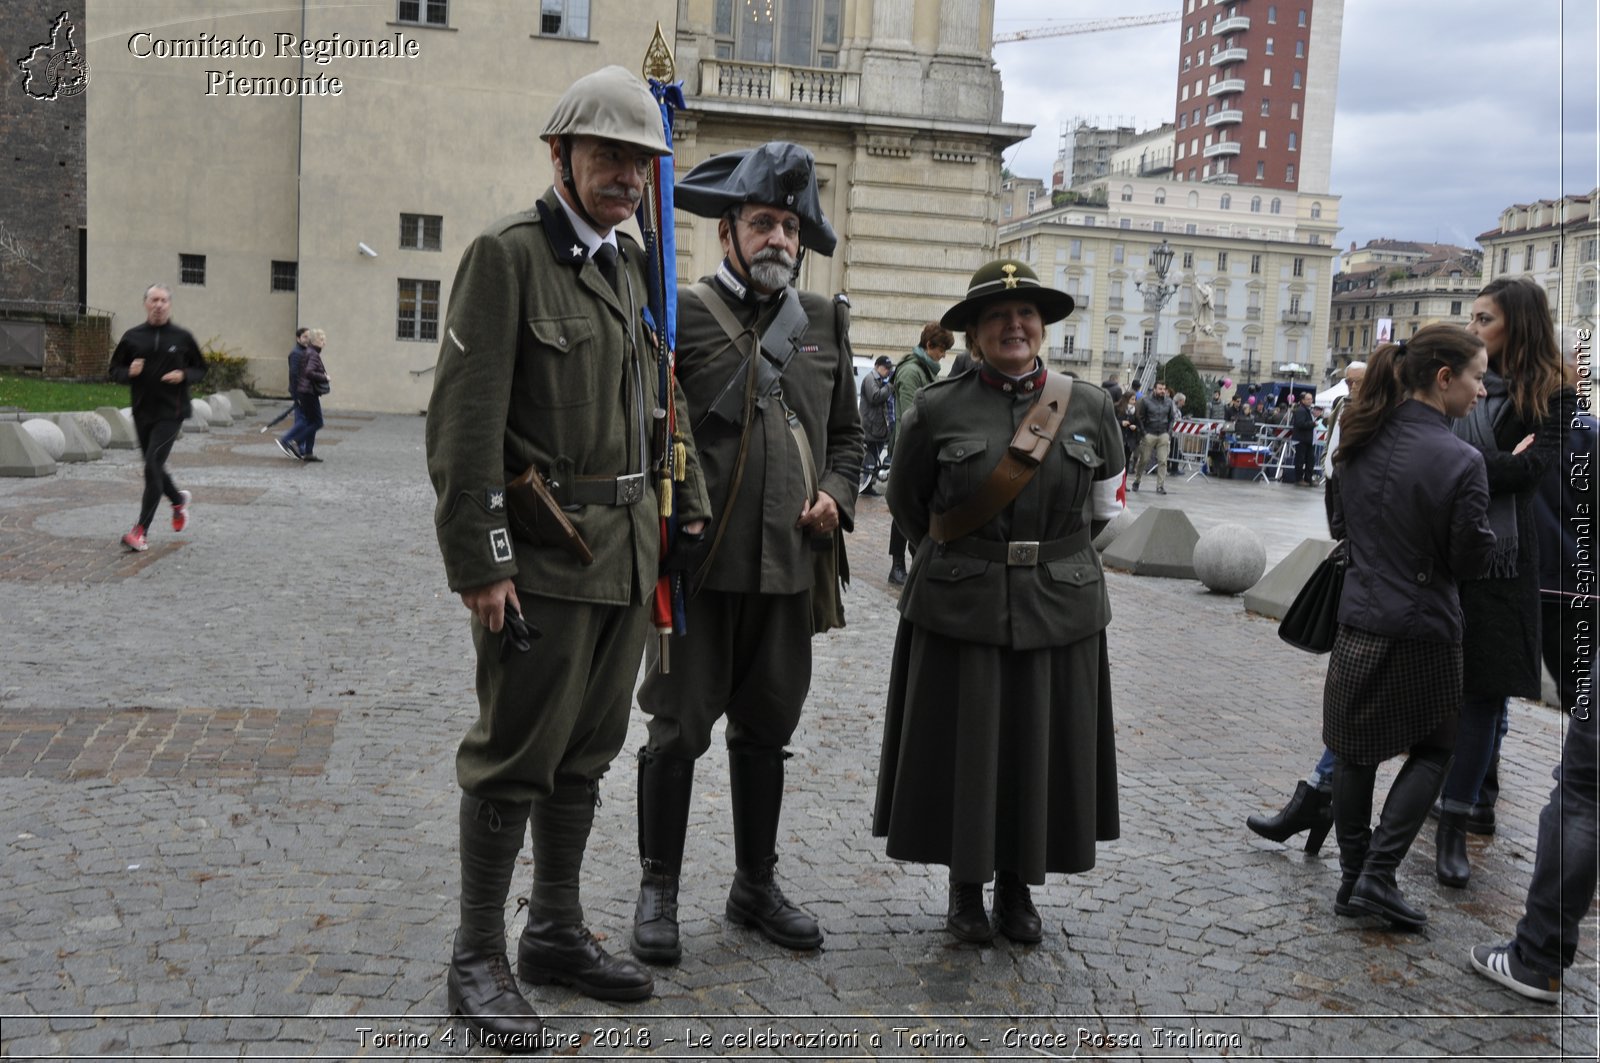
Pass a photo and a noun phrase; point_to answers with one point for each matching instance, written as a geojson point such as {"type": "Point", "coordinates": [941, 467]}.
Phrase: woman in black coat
{"type": "Point", "coordinates": [1412, 505]}
{"type": "Point", "coordinates": [1518, 429]}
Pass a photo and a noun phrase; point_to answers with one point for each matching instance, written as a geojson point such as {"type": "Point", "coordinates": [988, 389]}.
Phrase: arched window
{"type": "Point", "coordinates": [1127, 193]}
{"type": "Point", "coordinates": [1194, 197]}
{"type": "Point", "coordinates": [1161, 195]}
{"type": "Point", "coordinates": [1277, 205]}
{"type": "Point", "coordinates": [1316, 210]}
{"type": "Point", "coordinates": [1226, 202]}
{"type": "Point", "coordinates": [1255, 204]}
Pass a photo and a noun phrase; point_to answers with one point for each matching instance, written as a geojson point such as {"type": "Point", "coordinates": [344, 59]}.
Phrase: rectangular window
{"type": "Point", "coordinates": [1266, 107]}
{"type": "Point", "coordinates": [1261, 171]}
{"type": "Point", "coordinates": [1294, 141]}
{"type": "Point", "coordinates": [1589, 247]}
{"type": "Point", "coordinates": [1076, 249]}
{"type": "Point", "coordinates": [1147, 345]}
{"type": "Point", "coordinates": [1299, 49]}
{"type": "Point", "coordinates": [1269, 46]}
{"type": "Point", "coordinates": [1188, 260]}
{"type": "Point", "coordinates": [1116, 253]}
{"type": "Point", "coordinates": [564, 18]}
{"type": "Point", "coordinates": [1189, 229]}
{"type": "Point", "coordinates": [418, 310]}
{"type": "Point", "coordinates": [1266, 76]}
{"type": "Point", "coordinates": [1288, 174]}
{"type": "Point", "coordinates": [1294, 304]}
{"type": "Point", "coordinates": [192, 269]}
{"type": "Point", "coordinates": [1527, 258]}
{"type": "Point", "coordinates": [1505, 260]}
{"type": "Point", "coordinates": [1255, 263]}
{"type": "Point", "coordinates": [421, 232]}
{"type": "Point", "coordinates": [1302, 20]}
{"type": "Point", "coordinates": [1160, 226]}
{"type": "Point", "coordinates": [285, 276]}
{"type": "Point", "coordinates": [1261, 138]}
{"type": "Point", "coordinates": [1294, 112]}
{"type": "Point", "coordinates": [1586, 296]}
{"type": "Point", "coordinates": [1455, 308]}
{"type": "Point", "coordinates": [424, 12]}
{"type": "Point", "coordinates": [724, 18]}
{"type": "Point", "coordinates": [1299, 267]}
{"type": "Point", "coordinates": [1125, 223]}
{"type": "Point", "coordinates": [1222, 261]}
{"type": "Point", "coordinates": [1555, 253]}
{"type": "Point", "coordinates": [1297, 79]}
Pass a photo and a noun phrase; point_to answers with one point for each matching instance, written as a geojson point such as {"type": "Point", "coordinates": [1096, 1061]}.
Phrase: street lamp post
{"type": "Point", "coordinates": [1157, 293]}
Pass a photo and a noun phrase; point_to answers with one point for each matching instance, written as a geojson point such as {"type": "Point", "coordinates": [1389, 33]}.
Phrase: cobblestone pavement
{"type": "Point", "coordinates": [227, 803]}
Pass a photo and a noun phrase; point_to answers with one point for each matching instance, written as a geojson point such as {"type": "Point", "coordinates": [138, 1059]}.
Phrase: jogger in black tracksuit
{"type": "Point", "coordinates": [158, 361]}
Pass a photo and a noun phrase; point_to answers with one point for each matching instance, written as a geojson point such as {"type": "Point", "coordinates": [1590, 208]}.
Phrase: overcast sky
{"type": "Point", "coordinates": [1449, 110]}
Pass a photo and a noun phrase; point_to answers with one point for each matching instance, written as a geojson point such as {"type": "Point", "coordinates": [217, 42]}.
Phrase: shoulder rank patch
{"type": "Point", "coordinates": [809, 348]}
{"type": "Point", "coordinates": [495, 499]}
{"type": "Point", "coordinates": [500, 546]}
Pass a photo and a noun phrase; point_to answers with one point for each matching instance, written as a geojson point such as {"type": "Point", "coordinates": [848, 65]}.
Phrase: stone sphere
{"type": "Point", "coordinates": [94, 426]}
{"type": "Point", "coordinates": [1118, 524]}
{"type": "Point", "coordinates": [200, 410]}
{"type": "Point", "coordinates": [50, 438]}
{"type": "Point", "coordinates": [220, 404]}
{"type": "Point", "coordinates": [1229, 558]}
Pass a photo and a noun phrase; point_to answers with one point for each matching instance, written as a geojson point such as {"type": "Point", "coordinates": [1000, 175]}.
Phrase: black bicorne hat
{"type": "Point", "coordinates": [777, 174]}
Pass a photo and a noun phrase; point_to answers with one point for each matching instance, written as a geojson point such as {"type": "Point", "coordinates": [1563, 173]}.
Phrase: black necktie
{"type": "Point", "coordinates": [605, 256]}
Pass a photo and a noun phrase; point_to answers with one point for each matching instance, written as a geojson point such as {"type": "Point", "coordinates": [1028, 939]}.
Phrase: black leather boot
{"type": "Point", "coordinates": [897, 573]}
{"type": "Point", "coordinates": [665, 787]}
{"type": "Point", "coordinates": [1308, 810]}
{"type": "Point", "coordinates": [1352, 825]}
{"type": "Point", "coordinates": [479, 987]}
{"type": "Point", "coordinates": [556, 946]}
{"type": "Point", "coordinates": [967, 919]}
{"type": "Point", "coordinates": [1404, 811]}
{"type": "Point", "coordinates": [1014, 913]}
{"type": "Point", "coordinates": [1451, 863]}
{"type": "Point", "coordinates": [756, 781]}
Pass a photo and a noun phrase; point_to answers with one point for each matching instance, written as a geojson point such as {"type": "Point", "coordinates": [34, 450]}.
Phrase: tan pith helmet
{"type": "Point", "coordinates": [609, 103]}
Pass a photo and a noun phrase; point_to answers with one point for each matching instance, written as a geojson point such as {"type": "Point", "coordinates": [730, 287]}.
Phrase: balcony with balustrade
{"type": "Point", "coordinates": [1229, 56]}
{"type": "Point", "coordinates": [1228, 116]}
{"type": "Point", "coordinates": [1297, 317]}
{"type": "Point", "coordinates": [1236, 24]}
{"type": "Point", "coordinates": [806, 86]}
{"type": "Point", "coordinates": [1221, 147]}
{"type": "Point", "coordinates": [1226, 87]}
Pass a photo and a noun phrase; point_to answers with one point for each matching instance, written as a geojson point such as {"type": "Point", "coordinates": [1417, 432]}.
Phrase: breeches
{"type": "Point", "coordinates": [747, 657]}
{"type": "Point", "coordinates": [560, 710]}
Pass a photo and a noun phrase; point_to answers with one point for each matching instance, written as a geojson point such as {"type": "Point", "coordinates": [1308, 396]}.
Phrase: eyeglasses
{"type": "Point", "coordinates": [763, 224]}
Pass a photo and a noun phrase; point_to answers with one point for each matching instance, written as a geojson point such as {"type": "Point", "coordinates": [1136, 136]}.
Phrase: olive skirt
{"type": "Point", "coordinates": [996, 758]}
{"type": "Point", "coordinates": [1384, 695]}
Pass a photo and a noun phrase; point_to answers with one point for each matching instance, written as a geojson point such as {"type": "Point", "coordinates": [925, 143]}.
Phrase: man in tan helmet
{"type": "Point", "coordinates": [546, 362]}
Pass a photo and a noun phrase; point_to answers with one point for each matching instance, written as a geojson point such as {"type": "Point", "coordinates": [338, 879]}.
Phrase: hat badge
{"type": "Point", "coordinates": [1010, 271]}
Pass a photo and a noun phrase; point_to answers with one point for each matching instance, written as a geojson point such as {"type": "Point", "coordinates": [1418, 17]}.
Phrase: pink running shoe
{"type": "Point", "coordinates": [180, 512]}
{"type": "Point", "coordinates": [135, 540]}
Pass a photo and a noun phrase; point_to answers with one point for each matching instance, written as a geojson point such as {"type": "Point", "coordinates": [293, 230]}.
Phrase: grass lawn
{"type": "Point", "coordinates": [41, 396]}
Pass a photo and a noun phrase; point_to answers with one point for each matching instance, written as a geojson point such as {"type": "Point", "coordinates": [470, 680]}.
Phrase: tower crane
{"type": "Point", "coordinates": [1089, 26]}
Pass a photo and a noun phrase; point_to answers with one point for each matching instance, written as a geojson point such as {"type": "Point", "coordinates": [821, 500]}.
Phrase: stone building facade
{"type": "Point", "coordinates": [1557, 243]}
{"type": "Point", "coordinates": [268, 200]}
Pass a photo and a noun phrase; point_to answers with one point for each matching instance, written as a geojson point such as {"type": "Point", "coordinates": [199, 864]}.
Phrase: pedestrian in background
{"type": "Point", "coordinates": [999, 756]}
{"type": "Point", "coordinates": [1156, 413]}
{"type": "Point", "coordinates": [1518, 428]}
{"type": "Point", "coordinates": [297, 353]}
{"type": "Point", "coordinates": [1128, 420]}
{"type": "Point", "coordinates": [914, 372]}
{"type": "Point", "coordinates": [301, 440]}
{"type": "Point", "coordinates": [876, 408]}
{"type": "Point", "coordinates": [158, 361]}
{"type": "Point", "coordinates": [1413, 507]}
{"type": "Point", "coordinates": [1303, 430]}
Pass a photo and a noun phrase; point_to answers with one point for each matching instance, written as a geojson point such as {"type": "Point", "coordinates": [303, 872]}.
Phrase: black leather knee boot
{"type": "Point", "coordinates": [665, 787]}
{"type": "Point", "coordinates": [1307, 810]}
{"type": "Point", "coordinates": [756, 778]}
{"type": "Point", "coordinates": [1404, 811]}
{"type": "Point", "coordinates": [1352, 825]}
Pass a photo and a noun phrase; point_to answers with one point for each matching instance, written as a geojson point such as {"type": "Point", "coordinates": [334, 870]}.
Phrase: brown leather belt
{"type": "Point", "coordinates": [1021, 552]}
{"type": "Point", "coordinates": [601, 490]}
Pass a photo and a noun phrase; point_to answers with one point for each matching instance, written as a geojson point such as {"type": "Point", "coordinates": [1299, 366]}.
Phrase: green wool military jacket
{"type": "Point", "coordinates": [949, 443]}
{"type": "Point", "coordinates": [542, 362]}
{"type": "Point", "coordinates": [762, 549]}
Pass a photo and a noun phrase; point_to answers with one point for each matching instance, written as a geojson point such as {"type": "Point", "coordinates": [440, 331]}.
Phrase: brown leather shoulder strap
{"type": "Point", "coordinates": [1028, 448]}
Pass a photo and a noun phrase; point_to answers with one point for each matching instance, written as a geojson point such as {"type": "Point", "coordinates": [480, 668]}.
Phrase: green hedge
{"type": "Point", "coordinates": [225, 370]}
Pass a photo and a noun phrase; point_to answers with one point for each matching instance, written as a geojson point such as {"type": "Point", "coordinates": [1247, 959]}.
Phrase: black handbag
{"type": "Point", "coordinates": [1312, 618]}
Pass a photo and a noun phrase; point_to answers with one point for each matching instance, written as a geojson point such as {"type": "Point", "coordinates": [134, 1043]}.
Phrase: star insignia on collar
{"type": "Point", "coordinates": [577, 250]}
{"type": "Point", "coordinates": [1011, 274]}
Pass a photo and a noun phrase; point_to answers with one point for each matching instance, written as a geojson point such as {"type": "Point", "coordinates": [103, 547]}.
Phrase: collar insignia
{"type": "Point", "coordinates": [577, 251]}
{"type": "Point", "coordinates": [497, 499]}
{"type": "Point", "coordinates": [1011, 274]}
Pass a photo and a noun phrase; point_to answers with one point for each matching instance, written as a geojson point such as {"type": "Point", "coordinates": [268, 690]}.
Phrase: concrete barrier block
{"type": "Point", "coordinates": [1114, 527]}
{"type": "Point", "coordinates": [21, 454]}
{"type": "Point", "coordinates": [1159, 543]}
{"type": "Point", "coordinates": [46, 433]}
{"type": "Point", "coordinates": [122, 434]}
{"type": "Point", "coordinates": [220, 403]}
{"type": "Point", "coordinates": [1229, 558]}
{"type": "Point", "coordinates": [77, 444]}
{"type": "Point", "coordinates": [1277, 589]}
{"type": "Point", "coordinates": [242, 406]}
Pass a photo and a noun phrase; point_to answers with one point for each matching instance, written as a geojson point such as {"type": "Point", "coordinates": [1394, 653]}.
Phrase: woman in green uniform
{"type": "Point", "coordinates": [998, 758]}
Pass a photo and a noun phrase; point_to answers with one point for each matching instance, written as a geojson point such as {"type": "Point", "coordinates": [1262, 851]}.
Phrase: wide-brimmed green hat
{"type": "Point", "coordinates": [1006, 278]}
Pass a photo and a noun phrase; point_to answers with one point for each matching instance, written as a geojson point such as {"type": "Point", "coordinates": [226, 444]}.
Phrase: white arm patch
{"type": "Point", "coordinates": [1108, 497]}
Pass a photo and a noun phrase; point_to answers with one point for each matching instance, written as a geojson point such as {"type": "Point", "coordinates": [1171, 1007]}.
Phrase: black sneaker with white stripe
{"type": "Point", "coordinates": [1499, 963]}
